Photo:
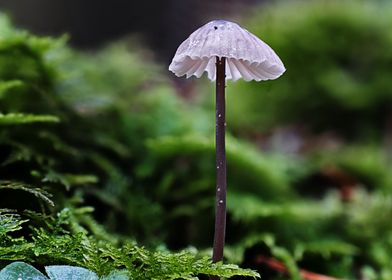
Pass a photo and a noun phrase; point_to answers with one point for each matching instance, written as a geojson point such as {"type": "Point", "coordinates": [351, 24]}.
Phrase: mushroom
{"type": "Point", "coordinates": [225, 51]}
{"type": "Point", "coordinates": [247, 57]}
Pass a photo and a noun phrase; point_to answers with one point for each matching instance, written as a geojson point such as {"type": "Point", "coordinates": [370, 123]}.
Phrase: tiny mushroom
{"type": "Point", "coordinates": [247, 57]}
{"type": "Point", "coordinates": [225, 51]}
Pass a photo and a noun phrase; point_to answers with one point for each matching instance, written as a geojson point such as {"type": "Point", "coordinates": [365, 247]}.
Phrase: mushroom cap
{"type": "Point", "coordinates": [246, 55]}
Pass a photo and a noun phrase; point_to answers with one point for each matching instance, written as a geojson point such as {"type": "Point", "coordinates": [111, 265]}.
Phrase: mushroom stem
{"type": "Point", "coordinates": [220, 210]}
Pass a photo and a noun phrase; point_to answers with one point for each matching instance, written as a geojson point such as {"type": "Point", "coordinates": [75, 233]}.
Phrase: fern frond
{"type": "Point", "coordinates": [6, 86]}
{"type": "Point", "coordinates": [37, 192]}
{"type": "Point", "coordinates": [10, 221]}
{"type": "Point", "coordinates": [249, 208]}
{"type": "Point", "coordinates": [20, 118]}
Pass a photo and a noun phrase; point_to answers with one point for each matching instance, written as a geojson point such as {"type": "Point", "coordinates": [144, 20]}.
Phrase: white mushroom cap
{"type": "Point", "coordinates": [246, 55]}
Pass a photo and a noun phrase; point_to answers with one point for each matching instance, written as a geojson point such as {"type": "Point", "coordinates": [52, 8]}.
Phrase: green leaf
{"type": "Point", "coordinates": [5, 86]}
{"type": "Point", "coordinates": [21, 271]}
{"type": "Point", "coordinates": [66, 272]}
{"type": "Point", "coordinates": [20, 118]}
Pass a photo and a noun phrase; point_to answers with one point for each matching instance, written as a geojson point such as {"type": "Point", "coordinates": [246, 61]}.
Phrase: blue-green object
{"type": "Point", "coordinates": [24, 271]}
{"type": "Point", "coordinates": [21, 271]}
{"type": "Point", "coordinates": [66, 272]}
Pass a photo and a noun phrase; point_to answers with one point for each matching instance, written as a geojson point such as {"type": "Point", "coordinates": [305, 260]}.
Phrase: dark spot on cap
{"type": "Point", "coordinates": [215, 27]}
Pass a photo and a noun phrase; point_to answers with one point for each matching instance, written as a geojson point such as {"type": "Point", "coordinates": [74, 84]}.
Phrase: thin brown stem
{"type": "Point", "coordinates": [220, 210]}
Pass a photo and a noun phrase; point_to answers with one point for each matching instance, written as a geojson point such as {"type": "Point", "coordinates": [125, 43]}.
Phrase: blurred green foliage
{"type": "Point", "coordinates": [72, 134]}
{"type": "Point", "coordinates": [104, 137]}
{"type": "Point", "coordinates": [338, 60]}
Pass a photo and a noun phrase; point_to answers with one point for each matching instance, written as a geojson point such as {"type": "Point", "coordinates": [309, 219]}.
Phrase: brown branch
{"type": "Point", "coordinates": [280, 267]}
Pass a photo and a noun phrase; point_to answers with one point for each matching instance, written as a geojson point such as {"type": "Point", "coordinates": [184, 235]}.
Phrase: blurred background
{"type": "Point", "coordinates": [309, 155]}
{"type": "Point", "coordinates": [162, 25]}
